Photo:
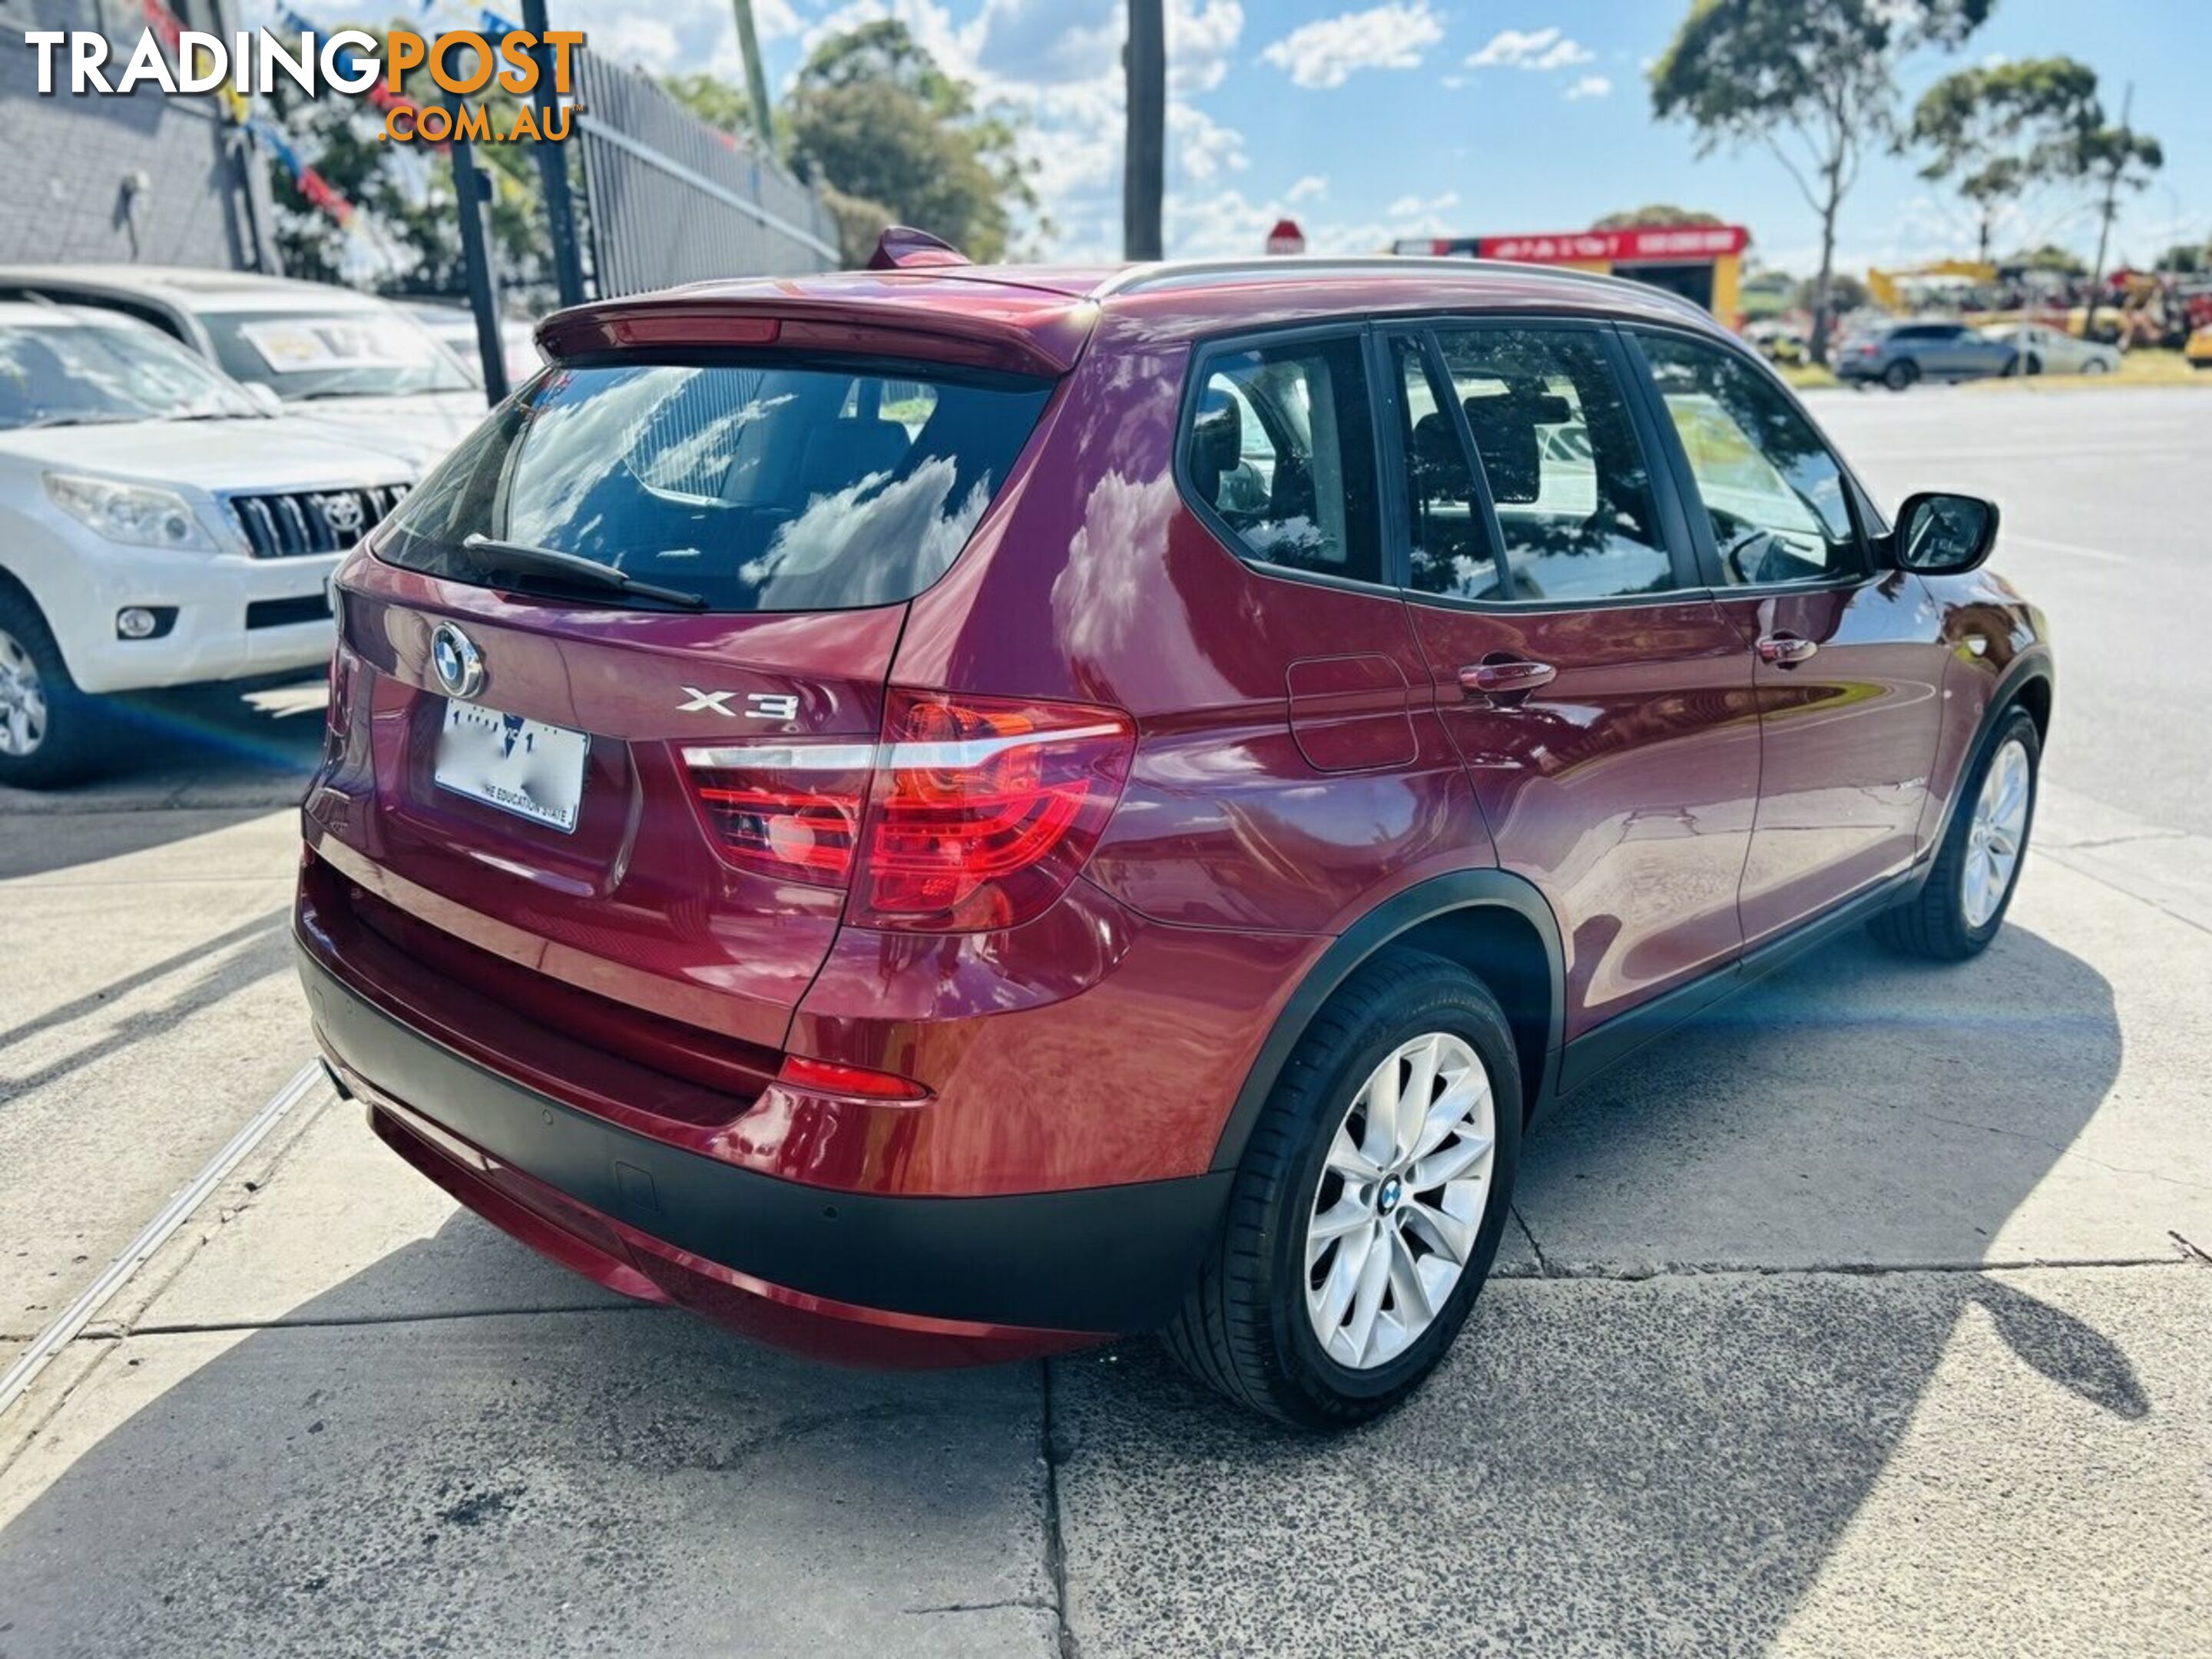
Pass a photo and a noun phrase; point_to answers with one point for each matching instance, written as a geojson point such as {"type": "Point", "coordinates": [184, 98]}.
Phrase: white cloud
{"type": "Point", "coordinates": [1531, 49]}
{"type": "Point", "coordinates": [1407, 207]}
{"type": "Point", "coordinates": [1201, 36]}
{"type": "Point", "coordinates": [1200, 147]}
{"type": "Point", "coordinates": [1591, 85]}
{"type": "Point", "coordinates": [1327, 52]}
{"type": "Point", "coordinates": [1313, 186]}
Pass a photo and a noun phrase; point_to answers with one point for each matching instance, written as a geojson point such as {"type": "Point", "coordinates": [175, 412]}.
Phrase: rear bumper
{"type": "Point", "coordinates": [861, 1276]}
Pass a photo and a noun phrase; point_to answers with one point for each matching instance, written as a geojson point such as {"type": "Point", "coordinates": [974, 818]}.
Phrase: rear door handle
{"type": "Point", "coordinates": [1785, 650]}
{"type": "Point", "coordinates": [1504, 678]}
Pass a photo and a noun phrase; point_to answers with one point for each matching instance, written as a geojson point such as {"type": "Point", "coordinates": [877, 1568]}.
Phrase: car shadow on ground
{"type": "Point", "coordinates": [1633, 1459]}
{"type": "Point", "coordinates": [208, 749]}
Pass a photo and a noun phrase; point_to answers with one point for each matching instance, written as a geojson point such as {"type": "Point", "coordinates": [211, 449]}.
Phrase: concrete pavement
{"type": "Point", "coordinates": [1747, 1385]}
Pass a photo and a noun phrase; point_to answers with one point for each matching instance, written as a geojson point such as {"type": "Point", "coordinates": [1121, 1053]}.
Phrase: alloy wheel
{"type": "Point", "coordinates": [1995, 835]}
{"type": "Point", "coordinates": [22, 699]}
{"type": "Point", "coordinates": [1400, 1200]}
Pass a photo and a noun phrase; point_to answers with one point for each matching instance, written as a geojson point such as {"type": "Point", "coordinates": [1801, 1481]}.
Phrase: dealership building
{"type": "Point", "coordinates": [1703, 263]}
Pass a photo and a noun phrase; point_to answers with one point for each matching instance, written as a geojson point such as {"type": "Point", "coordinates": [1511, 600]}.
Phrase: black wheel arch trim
{"type": "Point", "coordinates": [1459, 891]}
{"type": "Point", "coordinates": [2033, 665]}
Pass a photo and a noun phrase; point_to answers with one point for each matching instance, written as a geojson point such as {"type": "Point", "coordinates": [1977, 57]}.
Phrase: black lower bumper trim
{"type": "Point", "coordinates": [1094, 1259]}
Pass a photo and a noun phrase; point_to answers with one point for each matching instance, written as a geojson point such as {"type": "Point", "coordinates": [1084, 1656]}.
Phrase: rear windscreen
{"type": "Point", "coordinates": [755, 486]}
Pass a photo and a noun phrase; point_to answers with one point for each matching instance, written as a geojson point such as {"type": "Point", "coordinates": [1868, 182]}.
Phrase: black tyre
{"type": "Point", "coordinates": [49, 732]}
{"type": "Point", "coordinates": [1369, 1206]}
{"type": "Point", "coordinates": [2035, 365]}
{"type": "Point", "coordinates": [1901, 374]}
{"type": "Point", "coordinates": [1977, 870]}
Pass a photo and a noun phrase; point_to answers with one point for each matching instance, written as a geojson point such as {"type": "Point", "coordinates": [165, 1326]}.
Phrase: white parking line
{"type": "Point", "coordinates": [2102, 555]}
{"type": "Point", "coordinates": [119, 1271]}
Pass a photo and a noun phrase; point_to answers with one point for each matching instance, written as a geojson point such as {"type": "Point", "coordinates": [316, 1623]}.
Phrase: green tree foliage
{"type": "Point", "coordinates": [1813, 81]}
{"type": "Point", "coordinates": [719, 103]}
{"type": "Point", "coordinates": [2001, 130]}
{"type": "Point", "coordinates": [2050, 257]}
{"type": "Point", "coordinates": [1846, 293]}
{"type": "Point", "coordinates": [893, 138]}
{"type": "Point", "coordinates": [1657, 213]}
{"type": "Point", "coordinates": [403, 194]}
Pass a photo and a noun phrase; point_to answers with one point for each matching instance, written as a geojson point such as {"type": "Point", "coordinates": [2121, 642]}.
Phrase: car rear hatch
{"type": "Point", "coordinates": [598, 830]}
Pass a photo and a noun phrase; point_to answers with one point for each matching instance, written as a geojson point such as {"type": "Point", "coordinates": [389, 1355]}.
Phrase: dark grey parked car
{"type": "Point", "coordinates": [1902, 353]}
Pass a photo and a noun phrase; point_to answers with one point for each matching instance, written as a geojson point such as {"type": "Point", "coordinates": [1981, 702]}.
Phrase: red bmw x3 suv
{"type": "Point", "coordinates": [939, 812]}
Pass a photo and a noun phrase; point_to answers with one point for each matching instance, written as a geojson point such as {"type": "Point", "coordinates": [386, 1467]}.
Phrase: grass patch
{"type": "Point", "coordinates": [2146, 365]}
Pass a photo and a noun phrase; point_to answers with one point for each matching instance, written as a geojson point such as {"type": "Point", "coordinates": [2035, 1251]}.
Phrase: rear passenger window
{"type": "Point", "coordinates": [1279, 447]}
{"type": "Point", "coordinates": [1575, 513]}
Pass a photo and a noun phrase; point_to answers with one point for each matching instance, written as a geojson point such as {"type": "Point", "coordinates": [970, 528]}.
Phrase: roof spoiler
{"type": "Point", "coordinates": [901, 247]}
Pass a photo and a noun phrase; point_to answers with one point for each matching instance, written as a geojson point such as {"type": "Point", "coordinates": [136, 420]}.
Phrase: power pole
{"type": "Point", "coordinates": [471, 193]}
{"type": "Point", "coordinates": [553, 172]}
{"type": "Point", "coordinates": [2111, 206]}
{"type": "Point", "coordinates": [755, 75]}
{"type": "Point", "coordinates": [1144, 65]}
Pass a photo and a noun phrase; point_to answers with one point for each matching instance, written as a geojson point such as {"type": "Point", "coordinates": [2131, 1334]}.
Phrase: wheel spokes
{"type": "Point", "coordinates": [1415, 1095]}
{"type": "Point", "coordinates": [1463, 1098]}
{"type": "Point", "coordinates": [1342, 1284]}
{"type": "Point", "coordinates": [1450, 1237]}
{"type": "Point", "coordinates": [1367, 1300]}
{"type": "Point", "coordinates": [1406, 1288]}
{"type": "Point", "coordinates": [1450, 1163]}
{"type": "Point", "coordinates": [1392, 1223]}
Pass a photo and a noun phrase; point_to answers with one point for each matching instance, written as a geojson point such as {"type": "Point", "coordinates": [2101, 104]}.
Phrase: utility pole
{"type": "Point", "coordinates": [1145, 66]}
{"type": "Point", "coordinates": [2120, 155]}
{"type": "Point", "coordinates": [470, 194]}
{"type": "Point", "coordinates": [755, 75]}
{"type": "Point", "coordinates": [553, 171]}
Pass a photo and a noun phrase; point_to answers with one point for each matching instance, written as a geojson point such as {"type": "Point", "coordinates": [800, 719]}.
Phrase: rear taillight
{"type": "Point", "coordinates": [968, 813]}
{"type": "Point", "coordinates": [789, 810]}
{"type": "Point", "coordinates": [982, 809]}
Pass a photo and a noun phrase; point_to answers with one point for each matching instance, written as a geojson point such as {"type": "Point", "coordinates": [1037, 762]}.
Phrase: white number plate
{"type": "Point", "coordinates": [527, 767]}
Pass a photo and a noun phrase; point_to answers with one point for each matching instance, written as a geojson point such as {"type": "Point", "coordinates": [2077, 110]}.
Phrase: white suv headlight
{"type": "Point", "coordinates": [137, 515]}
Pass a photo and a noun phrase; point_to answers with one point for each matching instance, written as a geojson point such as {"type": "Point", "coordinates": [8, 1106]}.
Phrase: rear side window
{"type": "Point", "coordinates": [760, 486]}
{"type": "Point", "coordinates": [1280, 448]}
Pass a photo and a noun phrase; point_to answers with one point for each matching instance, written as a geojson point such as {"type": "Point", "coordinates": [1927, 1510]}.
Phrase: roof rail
{"type": "Point", "coordinates": [901, 247]}
{"type": "Point", "coordinates": [1172, 273]}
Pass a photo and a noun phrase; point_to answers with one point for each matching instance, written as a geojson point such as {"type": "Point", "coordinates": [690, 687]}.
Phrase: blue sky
{"type": "Point", "coordinates": [1415, 117]}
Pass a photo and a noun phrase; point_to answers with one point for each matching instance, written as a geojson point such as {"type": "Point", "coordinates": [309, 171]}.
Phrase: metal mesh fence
{"type": "Point", "coordinates": [672, 200]}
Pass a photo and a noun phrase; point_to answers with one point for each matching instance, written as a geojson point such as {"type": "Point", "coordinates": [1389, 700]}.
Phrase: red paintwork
{"type": "Point", "coordinates": [1304, 752]}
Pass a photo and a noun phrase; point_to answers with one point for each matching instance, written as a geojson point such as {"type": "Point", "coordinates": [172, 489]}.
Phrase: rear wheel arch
{"type": "Point", "coordinates": [1494, 924]}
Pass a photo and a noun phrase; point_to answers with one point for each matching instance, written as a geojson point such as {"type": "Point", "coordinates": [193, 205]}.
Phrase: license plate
{"type": "Point", "coordinates": [527, 767]}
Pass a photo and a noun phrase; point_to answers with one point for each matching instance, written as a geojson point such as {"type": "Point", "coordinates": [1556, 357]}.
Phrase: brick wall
{"type": "Point", "coordinates": [67, 164]}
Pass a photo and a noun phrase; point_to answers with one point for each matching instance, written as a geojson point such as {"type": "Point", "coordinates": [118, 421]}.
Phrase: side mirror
{"type": "Point", "coordinates": [1943, 535]}
{"type": "Point", "coordinates": [263, 398]}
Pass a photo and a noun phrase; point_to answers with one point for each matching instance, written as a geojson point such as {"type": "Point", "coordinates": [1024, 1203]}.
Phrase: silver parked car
{"type": "Point", "coordinates": [2047, 350]}
{"type": "Point", "coordinates": [1899, 354]}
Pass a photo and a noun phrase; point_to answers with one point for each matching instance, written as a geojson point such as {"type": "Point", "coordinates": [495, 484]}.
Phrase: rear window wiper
{"type": "Point", "coordinates": [521, 559]}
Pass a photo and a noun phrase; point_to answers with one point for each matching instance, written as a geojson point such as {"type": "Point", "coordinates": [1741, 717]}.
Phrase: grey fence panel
{"type": "Point", "coordinates": [672, 200]}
